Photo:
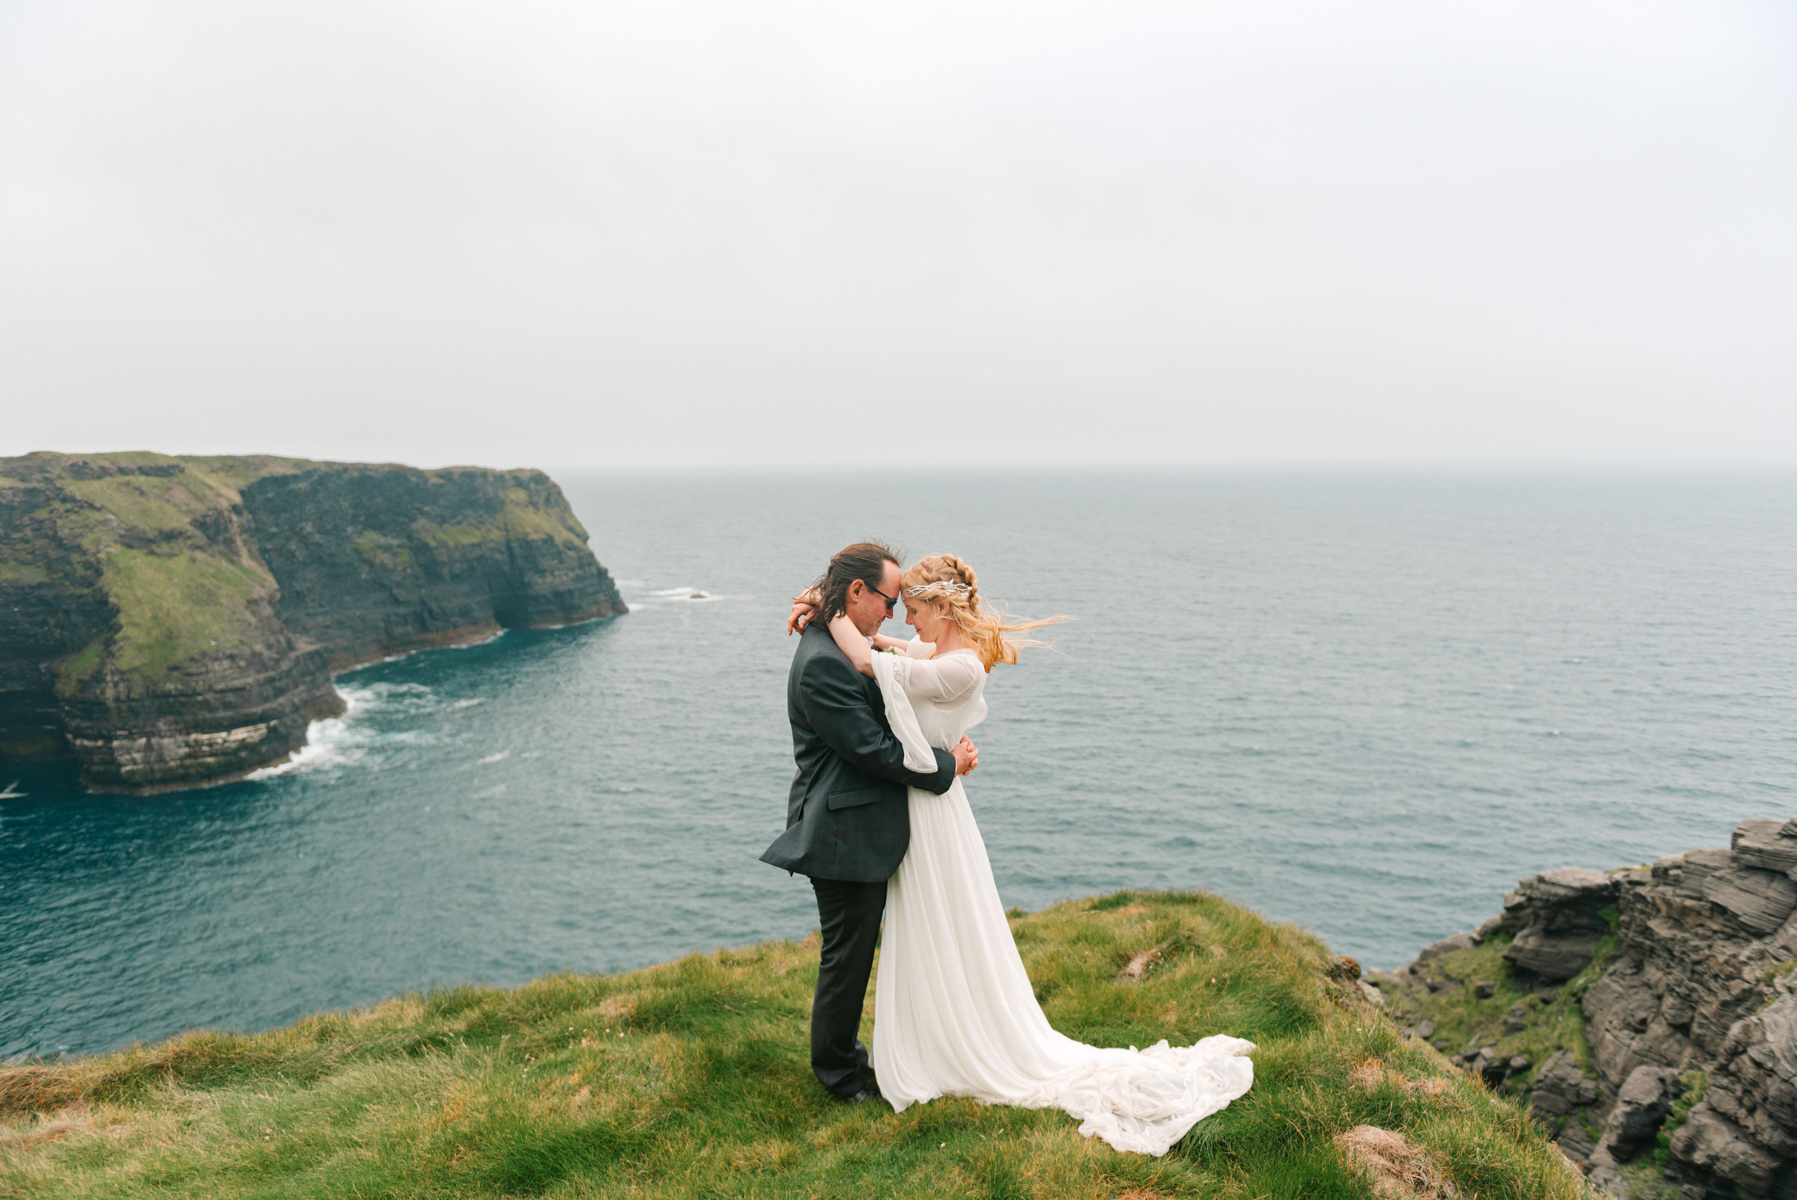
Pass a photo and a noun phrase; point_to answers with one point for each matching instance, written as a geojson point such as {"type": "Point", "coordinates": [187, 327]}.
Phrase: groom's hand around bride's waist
{"type": "Point", "coordinates": [967, 757]}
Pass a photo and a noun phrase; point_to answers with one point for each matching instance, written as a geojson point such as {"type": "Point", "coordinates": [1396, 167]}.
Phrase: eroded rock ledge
{"type": "Point", "coordinates": [1645, 1014]}
{"type": "Point", "coordinates": [174, 621]}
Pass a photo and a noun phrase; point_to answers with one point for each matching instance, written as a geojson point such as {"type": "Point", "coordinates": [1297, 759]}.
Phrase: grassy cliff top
{"type": "Point", "coordinates": [692, 1079]}
{"type": "Point", "coordinates": [153, 535]}
{"type": "Point", "coordinates": [231, 470]}
{"type": "Point", "coordinates": [131, 483]}
{"type": "Point", "coordinates": [160, 538]}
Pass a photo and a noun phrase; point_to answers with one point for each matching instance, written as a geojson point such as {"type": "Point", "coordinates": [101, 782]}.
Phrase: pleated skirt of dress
{"type": "Point", "coordinates": [955, 1014]}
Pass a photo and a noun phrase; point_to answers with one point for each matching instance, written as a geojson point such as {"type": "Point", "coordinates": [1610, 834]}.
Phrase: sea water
{"type": "Point", "coordinates": [1364, 702]}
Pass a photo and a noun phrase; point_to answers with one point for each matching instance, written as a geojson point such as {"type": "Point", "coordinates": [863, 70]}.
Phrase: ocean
{"type": "Point", "coordinates": [1363, 701]}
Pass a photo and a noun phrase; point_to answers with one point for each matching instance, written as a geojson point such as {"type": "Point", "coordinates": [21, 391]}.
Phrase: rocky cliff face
{"type": "Point", "coordinates": [174, 621]}
{"type": "Point", "coordinates": [1683, 1079]}
{"type": "Point", "coordinates": [375, 560]}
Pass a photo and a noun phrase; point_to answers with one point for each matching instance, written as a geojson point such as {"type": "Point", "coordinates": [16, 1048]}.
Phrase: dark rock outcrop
{"type": "Point", "coordinates": [171, 622]}
{"type": "Point", "coordinates": [1556, 921]}
{"type": "Point", "coordinates": [1690, 1024]}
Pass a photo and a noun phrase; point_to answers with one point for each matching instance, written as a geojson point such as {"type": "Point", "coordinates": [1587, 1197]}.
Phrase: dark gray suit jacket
{"type": "Point", "coordinates": [846, 817]}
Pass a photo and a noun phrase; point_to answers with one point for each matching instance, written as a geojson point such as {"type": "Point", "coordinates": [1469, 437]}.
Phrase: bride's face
{"type": "Point", "coordinates": [923, 617]}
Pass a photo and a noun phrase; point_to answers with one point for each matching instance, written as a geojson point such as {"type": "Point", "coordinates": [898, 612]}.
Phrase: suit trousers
{"type": "Point", "coordinates": [849, 915]}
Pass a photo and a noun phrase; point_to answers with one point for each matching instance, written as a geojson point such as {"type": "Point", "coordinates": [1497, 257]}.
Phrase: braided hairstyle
{"type": "Point", "coordinates": [987, 629]}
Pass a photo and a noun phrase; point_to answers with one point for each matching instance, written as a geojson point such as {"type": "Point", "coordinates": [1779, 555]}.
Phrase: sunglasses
{"type": "Point", "coordinates": [891, 601]}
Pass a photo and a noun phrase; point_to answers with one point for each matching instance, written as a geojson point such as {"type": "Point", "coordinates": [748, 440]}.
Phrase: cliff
{"type": "Point", "coordinates": [1644, 1013]}
{"type": "Point", "coordinates": [174, 621]}
{"type": "Point", "coordinates": [693, 1079]}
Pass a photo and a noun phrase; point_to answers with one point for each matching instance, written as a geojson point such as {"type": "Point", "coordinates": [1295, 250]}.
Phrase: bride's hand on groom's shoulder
{"type": "Point", "coordinates": [804, 607]}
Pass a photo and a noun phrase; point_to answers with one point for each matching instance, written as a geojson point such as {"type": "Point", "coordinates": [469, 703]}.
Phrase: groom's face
{"type": "Point", "coordinates": [867, 608]}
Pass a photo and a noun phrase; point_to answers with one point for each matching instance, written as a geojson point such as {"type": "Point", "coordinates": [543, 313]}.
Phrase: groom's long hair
{"type": "Point", "coordinates": [865, 561]}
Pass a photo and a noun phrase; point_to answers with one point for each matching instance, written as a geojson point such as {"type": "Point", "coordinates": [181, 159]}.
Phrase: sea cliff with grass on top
{"type": "Point", "coordinates": [174, 621]}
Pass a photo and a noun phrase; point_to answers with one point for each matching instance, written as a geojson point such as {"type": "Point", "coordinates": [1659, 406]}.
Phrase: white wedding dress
{"type": "Point", "coordinates": [954, 1012]}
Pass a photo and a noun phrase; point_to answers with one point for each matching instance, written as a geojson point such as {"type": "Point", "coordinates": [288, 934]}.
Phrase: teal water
{"type": "Point", "coordinates": [1363, 702]}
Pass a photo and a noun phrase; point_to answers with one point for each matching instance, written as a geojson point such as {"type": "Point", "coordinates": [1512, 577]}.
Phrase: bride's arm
{"type": "Point", "coordinates": [853, 643]}
{"type": "Point", "coordinates": [882, 642]}
{"type": "Point", "coordinates": [804, 607]}
{"type": "Point", "coordinates": [937, 679]}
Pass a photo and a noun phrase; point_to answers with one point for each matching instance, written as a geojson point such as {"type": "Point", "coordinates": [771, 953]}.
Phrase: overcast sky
{"type": "Point", "coordinates": [704, 233]}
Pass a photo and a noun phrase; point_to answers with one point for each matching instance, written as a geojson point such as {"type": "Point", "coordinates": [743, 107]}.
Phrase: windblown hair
{"type": "Point", "coordinates": [865, 561]}
{"type": "Point", "coordinates": [989, 630]}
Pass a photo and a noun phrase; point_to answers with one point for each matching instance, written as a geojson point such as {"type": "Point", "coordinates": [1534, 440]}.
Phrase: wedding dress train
{"type": "Point", "coordinates": [954, 1011]}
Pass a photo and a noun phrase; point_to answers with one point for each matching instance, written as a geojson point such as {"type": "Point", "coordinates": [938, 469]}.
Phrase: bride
{"type": "Point", "coordinates": [954, 1012]}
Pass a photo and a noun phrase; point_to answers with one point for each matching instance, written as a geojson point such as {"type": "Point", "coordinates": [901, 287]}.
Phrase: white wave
{"type": "Point", "coordinates": [681, 595]}
{"type": "Point", "coordinates": [412, 697]}
{"type": "Point", "coordinates": [313, 754]}
{"type": "Point", "coordinates": [356, 699]}
{"type": "Point", "coordinates": [469, 703]}
{"type": "Point", "coordinates": [493, 758]}
{"type": "Point", "coordinates": [334, 741]}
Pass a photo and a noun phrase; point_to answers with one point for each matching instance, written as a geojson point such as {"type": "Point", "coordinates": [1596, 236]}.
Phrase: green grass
{"type": "Point", "coordinates": [173, 607]}
{"type": "Point", "coordinates": [238, 471]}
{"type": "Point", "coordinates": [1643, 1180]}
{"type": "Point", "coordinates": [74, 670]}
{"type": "Point", "coordinates": [1464, 1021]}
{"type": "Point", "coordinates": [523, 520]}
{"type": "Point", "coordinates": [1696, 1084]}
{"type": "Point", "coordinates": [691, 1079]}
{"type": "Point", "coordinates": [383, 551]}
{"type": "Point", "coordinates": [455, 535]}
{"type": "Point", "coordinates": [177, 593]}
{"type": "Point", "coordinates": [150, 506]}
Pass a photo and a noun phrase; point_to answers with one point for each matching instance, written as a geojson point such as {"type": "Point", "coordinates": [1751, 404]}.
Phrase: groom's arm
{"type": "Point", "coordinates": [830, 692]}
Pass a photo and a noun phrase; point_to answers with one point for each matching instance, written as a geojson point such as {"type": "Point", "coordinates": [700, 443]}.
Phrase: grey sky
{"type": "Point", "coordinates": [701, 233]}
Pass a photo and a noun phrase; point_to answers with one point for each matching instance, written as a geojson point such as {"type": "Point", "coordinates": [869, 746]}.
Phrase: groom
{"type": "Point", "coordinates": [847, 822]}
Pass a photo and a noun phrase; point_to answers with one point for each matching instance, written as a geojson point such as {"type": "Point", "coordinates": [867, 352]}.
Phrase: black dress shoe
{"type": "Point", "coordinates": [869, 1091]}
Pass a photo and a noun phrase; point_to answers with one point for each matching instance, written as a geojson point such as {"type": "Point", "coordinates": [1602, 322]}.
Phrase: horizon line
{"type": "Point", "coordinates": [1083, 466]}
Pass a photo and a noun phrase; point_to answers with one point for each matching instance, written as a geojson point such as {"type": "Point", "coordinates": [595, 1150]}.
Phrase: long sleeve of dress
{"type": "Point", "coordinates": [940, 680]}
{"type": "Point", "coordinates": [906, 681]}
{"type": "Point", "coordinates": [836, 707]}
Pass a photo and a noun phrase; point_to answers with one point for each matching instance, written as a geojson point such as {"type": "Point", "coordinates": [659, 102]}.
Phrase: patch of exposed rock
{"type": "Point", "coordinates": [1689, 1044]}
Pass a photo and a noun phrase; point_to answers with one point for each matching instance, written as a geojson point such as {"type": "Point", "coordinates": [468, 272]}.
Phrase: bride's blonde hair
{"type": "Point", "coordinates": [991, 633]}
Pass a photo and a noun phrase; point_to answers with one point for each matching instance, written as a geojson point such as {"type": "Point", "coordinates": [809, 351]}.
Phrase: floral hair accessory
{"type": "Point", "coordinates": [944, 587]}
